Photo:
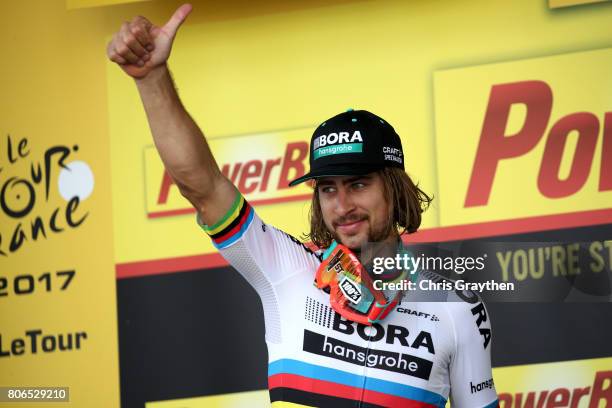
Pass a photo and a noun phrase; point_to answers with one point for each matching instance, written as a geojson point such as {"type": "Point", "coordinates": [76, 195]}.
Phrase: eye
{"type": "Point", "coordinates": [327, 189]}
{"type": "Point", "coordinates": [358, 185]}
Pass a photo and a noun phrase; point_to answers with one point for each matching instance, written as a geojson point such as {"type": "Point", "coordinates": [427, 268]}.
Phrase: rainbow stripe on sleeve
{"type": "Point", "coordinates": [232, 225]}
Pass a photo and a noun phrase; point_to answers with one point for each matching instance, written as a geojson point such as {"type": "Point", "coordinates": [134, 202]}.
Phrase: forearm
{"type": "Point", "coordinates": [179, 141]}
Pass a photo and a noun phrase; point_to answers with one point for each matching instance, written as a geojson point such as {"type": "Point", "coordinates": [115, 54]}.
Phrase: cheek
{"type": "Point", "coordinates": [379, 215]}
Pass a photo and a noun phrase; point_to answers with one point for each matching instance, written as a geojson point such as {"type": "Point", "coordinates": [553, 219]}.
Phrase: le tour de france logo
{"type": "Point", "coordinates": [40, 194]}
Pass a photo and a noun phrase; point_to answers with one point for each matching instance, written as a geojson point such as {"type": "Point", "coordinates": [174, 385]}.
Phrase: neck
{"type": "Point", "coordinates": [387, 248]}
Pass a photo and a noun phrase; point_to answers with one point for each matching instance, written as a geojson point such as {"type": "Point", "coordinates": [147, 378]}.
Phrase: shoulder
{"type": "Point", "coordinates": [290, 242]}
{"type": "Point", "coordinates": [465, 308]}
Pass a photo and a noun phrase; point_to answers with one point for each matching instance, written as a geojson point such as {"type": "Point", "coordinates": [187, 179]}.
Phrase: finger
{"type": "Point", "coordinates": [122, 50]}
{"type": "Point", "coordinates": [141, 28]}
{"type": "Point", "coordinates": [112, 54]}
{"type": "Point", "coordinates": [110, 48]}
{"type": "Point", "coordinates": [177, 19]}
{"type": "Point", "coordinates": [130, 40]}
{"type": "Point", "coordinates": [118, 59]}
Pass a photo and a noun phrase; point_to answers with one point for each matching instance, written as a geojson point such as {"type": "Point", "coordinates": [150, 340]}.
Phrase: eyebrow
{"type": "Point", "coordinates": [347, 181]}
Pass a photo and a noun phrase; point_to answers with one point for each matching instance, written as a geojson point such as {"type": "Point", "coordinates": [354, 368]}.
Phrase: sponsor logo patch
{"type": "Point", "coordinates": [337, 143]}
{"type": "Point", "coordinates": [350, 290]}
{"type": "Point", "coordinates": [384, 360]}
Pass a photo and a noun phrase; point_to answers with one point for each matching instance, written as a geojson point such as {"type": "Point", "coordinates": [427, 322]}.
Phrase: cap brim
{"type": "Point", "coordinates": [341, 170]}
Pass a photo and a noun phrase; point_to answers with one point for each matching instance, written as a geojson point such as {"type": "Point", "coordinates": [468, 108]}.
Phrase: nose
{"type": "Point", "coordinates": [344, 202]}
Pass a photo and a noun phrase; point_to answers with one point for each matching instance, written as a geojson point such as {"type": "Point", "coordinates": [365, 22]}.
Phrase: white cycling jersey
{"type": "Point", "coordinates": [421, 354]}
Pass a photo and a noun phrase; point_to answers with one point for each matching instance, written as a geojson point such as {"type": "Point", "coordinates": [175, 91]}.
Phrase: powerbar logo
{"type": "Point", "coordinates": [255, 175]}
{"type": "Point", "coordinates": [599, 394]}
{"type": "Point", "coordinates": [261, 171]}
{"type": "Point", "coordinates": [381, 359]}
{"type": "Point", "coordinates": [350, 290]}
{"type": "Point", "coordinates": [496, 145]}
{"type": "Point", "coordinates": [337, 143]}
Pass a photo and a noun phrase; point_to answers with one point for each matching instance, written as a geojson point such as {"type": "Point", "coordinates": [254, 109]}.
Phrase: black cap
{"type": "Point", "coordinates": [353, 143]}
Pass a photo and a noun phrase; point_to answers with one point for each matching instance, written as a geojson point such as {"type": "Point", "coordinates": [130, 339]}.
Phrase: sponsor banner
{"type": "Point", "coordinates": [528, 138]}
{"type": "Point", "coordinates": [576, 384]}
{"type": "Point", "coordinates": [262, 173]}
{"type": "Point", "coordinates": [57, 289]}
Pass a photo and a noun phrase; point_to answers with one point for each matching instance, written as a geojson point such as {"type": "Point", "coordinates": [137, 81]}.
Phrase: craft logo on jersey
{"type": "Point", "coordinates": [350, 290]}
{"type": "Point", "coordinates": [261, 166]}
{"type": "Point", "coordinates": [534, 142]}
{"type": "Point", "coordinates": [337, 143]}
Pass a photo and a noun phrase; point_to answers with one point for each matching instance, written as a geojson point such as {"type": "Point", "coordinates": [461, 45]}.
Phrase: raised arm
{"type": "Point", "coordinates": [142, 49]}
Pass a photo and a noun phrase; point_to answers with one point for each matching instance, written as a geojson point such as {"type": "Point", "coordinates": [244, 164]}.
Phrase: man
{"type": "Point", "coordinates": [403, 353]}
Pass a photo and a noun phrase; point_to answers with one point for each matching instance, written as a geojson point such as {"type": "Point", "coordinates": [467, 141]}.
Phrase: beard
{"type": "Point", "coordinates": [374, 234]}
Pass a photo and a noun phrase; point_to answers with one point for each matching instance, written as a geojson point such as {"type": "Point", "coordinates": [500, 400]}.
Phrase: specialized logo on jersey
{"type": "Point", "coordinates": [328, 346]}
{"type": "Point", "coordinates": [337, 143]}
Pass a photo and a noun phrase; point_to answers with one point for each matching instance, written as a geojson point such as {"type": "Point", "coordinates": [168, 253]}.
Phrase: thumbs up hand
{"type": "Point", "coordinates": [140, 46]}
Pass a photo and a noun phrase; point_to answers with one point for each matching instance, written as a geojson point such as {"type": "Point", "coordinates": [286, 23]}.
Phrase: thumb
{"type": "Point", "coordinates": [172, 26]}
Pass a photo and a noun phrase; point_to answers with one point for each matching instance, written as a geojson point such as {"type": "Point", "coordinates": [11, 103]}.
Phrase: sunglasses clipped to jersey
{"type": "Point", "coordinates": [351, 288]}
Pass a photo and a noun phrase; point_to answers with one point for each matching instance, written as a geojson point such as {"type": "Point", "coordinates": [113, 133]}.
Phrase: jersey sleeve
{"type": "Point", "coordinates": [471, 378]}
{"type": "Point", "coordinates": [262, 254]}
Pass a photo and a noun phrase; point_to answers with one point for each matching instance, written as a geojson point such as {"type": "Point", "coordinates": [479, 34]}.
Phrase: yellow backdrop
{"type": "Point", "coordinates": [246, 68]}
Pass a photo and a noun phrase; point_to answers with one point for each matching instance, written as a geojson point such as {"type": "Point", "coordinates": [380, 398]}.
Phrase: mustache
{"type": "Point", "coordinates": [349, 219]}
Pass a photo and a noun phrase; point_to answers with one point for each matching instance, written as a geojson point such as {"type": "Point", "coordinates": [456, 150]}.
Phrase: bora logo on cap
{"type": "Point", "coordinates": [337, 143]}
